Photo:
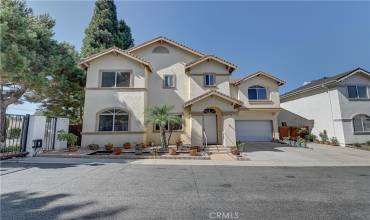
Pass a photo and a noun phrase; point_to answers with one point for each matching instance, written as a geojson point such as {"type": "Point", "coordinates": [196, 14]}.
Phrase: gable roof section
{"type": "Point", "coordinates": [324, 81]}
{"type": "Point", "coordinates": [84, 62]}
{"type": "Point", "coordinates": [169, 41]}
{"type": "Point", "coordinates": [258, 73]}
{"type": "Point", "coordinates": [231, 66]}
{"type": "Point", "coordinates": [213, 93]}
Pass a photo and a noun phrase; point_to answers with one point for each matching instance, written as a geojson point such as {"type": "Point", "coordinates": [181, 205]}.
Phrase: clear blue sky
{"type": "Point", "coordinates": [297, 42]}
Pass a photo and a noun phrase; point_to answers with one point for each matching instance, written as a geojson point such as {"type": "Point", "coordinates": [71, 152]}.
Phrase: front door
{"type": "Point", "coordinates": [210, 128]}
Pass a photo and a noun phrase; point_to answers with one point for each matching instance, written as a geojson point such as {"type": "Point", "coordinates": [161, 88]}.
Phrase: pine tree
{"type": "Point", "coordinates": [105, 31]}
{"type": "Point", "coordinates": [125, 39]}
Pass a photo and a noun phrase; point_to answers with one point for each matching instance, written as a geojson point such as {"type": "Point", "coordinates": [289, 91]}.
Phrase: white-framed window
{"type": "Point", "coordinates": [361, 124]}
{"type": "Point", "coordinates": [257, 93]}
{"type": "Point", "coordinates": [174, 127]}
{"type": "Point", "coordinates": [113, 119]}
{"type": "Point", "coordinates": [209, 79]}
{"type": "Point", "coordinates": [115, 79]}
{"type": "Point", "coordinates": [169, 81]}
{"type": "Point", "coordinates": [357, 92]}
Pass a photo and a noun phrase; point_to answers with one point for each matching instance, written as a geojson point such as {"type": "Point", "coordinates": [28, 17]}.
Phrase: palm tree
{"type": "Point", "coordinates": [161, 116]}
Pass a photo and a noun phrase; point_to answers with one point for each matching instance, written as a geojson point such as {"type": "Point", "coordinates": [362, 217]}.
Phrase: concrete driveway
{"type": "Point", "coordinates": [315, 154]}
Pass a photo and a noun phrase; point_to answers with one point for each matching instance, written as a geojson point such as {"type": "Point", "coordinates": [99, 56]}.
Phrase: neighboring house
{"type": "Point", "coordinates": [339, 104]}
{"type": "Point", "coordinates": [121, 85]}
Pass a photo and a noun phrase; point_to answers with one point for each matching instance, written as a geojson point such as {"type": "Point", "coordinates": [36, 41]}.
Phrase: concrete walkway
{"type": "Point", "coordinates": [260, 154]}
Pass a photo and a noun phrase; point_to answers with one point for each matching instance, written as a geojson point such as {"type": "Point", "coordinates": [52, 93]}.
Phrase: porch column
{"type": "Point", "coordinates": [229, 136]}
{"type": "Point", "coordinates": [196, 130]}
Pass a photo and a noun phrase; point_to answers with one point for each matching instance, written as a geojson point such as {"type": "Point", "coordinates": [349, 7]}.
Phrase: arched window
{"type": "Point", "coordinates": [113, 119]}
{"type": "Point", "coordinates": [257, 93]}
{"type": "Point", "coordinates": [361, 123]}
{"type": "Point", "coordinates": [209, 111]}
{"type": "Point", "coordinates": [161, 49]}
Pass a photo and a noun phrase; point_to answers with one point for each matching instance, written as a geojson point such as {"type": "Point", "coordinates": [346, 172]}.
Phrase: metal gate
{"type": "Point", "coordinates": [15, 133]}
{"type": "Point", "coordinates": [50, 134]}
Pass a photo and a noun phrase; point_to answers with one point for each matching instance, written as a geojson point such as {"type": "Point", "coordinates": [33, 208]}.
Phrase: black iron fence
{"type": "Point", "coordinates": [50, 134]}
{"type": "Point", "coordinates": [16, 129]}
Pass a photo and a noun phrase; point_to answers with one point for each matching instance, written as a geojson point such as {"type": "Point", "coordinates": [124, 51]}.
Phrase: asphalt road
{"type": "Point", "coordinates": [131, 191]}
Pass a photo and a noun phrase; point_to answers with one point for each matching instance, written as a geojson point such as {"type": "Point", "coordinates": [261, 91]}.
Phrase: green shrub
{"type": "Point", "coordinates": [69, 137]}
{"type": "Point", "coordinates": [358, 145]}
{"type": "Point", "coordinates": [324, 136]}
{"type": "Point", "coordinates": [93, 146]}
{"type": "Point", "coordinates": [15, 133]}
{"type": "Point", "coordinates": [9, 149]}
{"type": "Point", "coordinates": [310, 137]}
{"type": "Point", "coordinates": [334, 141]}
{"type": "Point", "coordinates": [368, 143]}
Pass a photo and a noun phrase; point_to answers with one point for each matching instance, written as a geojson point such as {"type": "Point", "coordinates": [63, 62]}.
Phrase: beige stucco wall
{"type": "Point", "coordinates": [147, 90]}
{"type": "Point", "coordinates": [115, 62]}
{"type": "Point", "coordinates": [197, 81]}
{"type": "Point", "coordinates": [272, 92]}
{"type": "Point", "coordinates": [117, 139]}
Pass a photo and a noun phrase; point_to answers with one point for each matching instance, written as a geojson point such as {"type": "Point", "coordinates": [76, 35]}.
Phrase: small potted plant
{"type": "Point", "coordinates": [93, 147]}
{"type": "Point", "coordinates": [324, 137]}
{"type": "Point", "coordinates": [108, 147]}
{"type": "Point", "coordinates": [179, 143]}
{"type": "Point", "coordinates": [138, 149]}
{"type": "Point", "coordinates": [334, 141]}
{"type": "Point", "coordinates": [172, 150]}
{"type": "Point", "coordinates": [70, 138]}
{"type": "Point", "coordinates": [193, 151]}
{"type": "Point", "coordinates": [127, 145]}
{"type": "Point", "coordinates": [235, 151]}
{"type": "Point", "coordinates": [117, 150]}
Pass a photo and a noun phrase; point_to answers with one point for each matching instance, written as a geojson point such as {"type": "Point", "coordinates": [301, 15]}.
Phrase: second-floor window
{"type": "Point", "coordinates": [357, 92]}
{"type": "Point", "coordinates": [257, 93]}
{"type": "Point", "coordinates": [169, 81]}
{"type": "Point", "coordinates": [209, 79]}
{"type": "Point", "coordinates": [115, 79]}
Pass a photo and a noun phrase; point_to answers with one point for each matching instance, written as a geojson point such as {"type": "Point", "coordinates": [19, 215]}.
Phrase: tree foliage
{"type": "Point", "coordinates": [25, 49]}
{"type": "Point", "coordinates": [105, 31]}
{"type": "Point", "coordinates": [161, 116]}
{"type": "Point", "coordinates": [63, 95]}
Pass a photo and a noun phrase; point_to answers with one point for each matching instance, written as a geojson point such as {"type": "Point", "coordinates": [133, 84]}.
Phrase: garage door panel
{"type": "Point", "coordinates": [250, 130]}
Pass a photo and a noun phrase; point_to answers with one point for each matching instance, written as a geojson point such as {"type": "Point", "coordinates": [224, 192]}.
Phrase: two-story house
{"type": "Point", "coordinates": [339, 104]}
{"type": "Point", "coordinates": [121, 85]}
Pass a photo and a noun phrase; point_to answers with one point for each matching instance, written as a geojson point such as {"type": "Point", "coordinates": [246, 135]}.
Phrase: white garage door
{"type": "Point", "coordinates": [248, 130]}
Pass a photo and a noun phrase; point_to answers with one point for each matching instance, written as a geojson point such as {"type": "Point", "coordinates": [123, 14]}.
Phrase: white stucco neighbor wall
{"type": "Point", "coordinates": [351, 108]}
{"type": "Point", "coordinates": [320, 107]}
{"type": "Point", "coordinates": [333, 110]}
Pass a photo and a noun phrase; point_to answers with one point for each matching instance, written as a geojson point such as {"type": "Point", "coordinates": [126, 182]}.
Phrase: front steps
{"type": "Point", "coordinates": [217, 149]}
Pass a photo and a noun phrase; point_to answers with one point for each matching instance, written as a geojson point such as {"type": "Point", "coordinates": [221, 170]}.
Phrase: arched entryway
{"type": "Point", "coordinates": [211, 125]}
